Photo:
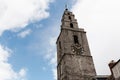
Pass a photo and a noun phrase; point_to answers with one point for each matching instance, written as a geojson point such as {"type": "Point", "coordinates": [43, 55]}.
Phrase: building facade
{"type": "Point", "coordinates": [74, 60]}
{"type": "Point", "coordinates": [115, 70]}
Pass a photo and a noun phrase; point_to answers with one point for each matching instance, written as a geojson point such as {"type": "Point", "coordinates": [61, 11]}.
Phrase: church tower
{"type": "Point", "coordinates": [74, 60]}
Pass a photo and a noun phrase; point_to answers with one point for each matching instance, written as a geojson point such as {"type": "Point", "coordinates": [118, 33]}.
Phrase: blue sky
{"type": "Point", "coordinates": [29, 29]}
{"type": "Point", "coordinates": [32, 47]}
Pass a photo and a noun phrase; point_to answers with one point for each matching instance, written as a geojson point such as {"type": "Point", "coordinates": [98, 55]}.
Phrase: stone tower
{"type": "Point", "coordinates": [74, 60]}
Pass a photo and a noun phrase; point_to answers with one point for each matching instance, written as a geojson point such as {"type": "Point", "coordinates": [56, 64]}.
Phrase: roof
{"type": "Point", "coordinates": [102, 77]}
{"type": "Point", "coordinates": [115, 63]}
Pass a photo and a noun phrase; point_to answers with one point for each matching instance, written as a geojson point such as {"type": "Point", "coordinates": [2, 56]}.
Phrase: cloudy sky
{"type": "Point", "coordinates": [29, 28]}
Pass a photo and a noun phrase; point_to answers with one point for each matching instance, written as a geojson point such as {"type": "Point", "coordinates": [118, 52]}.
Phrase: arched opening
{"type": "Point", "coordinates": [71, 25]}
{"type": "Point", "coordinates": [76, 39]}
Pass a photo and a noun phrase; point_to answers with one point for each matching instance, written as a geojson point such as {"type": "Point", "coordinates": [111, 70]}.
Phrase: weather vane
{"type": "Point", "coordinates": [66, 4]}
{"type": "Point", "coordinates": [66, 7]}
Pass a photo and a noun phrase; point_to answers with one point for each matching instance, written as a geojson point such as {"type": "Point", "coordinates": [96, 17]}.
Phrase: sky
{"type": "Point", "coordinates": [29, 29]}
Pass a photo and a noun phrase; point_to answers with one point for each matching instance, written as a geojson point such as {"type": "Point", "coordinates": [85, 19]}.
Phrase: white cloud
{"type": "Point", "coordinates": [22, 72]}
{"type": "Point", "coordinates": [44, 68]}
{"type": "Point", "coordinates": [55, 73]}
{"type": "Point", "coordinates": [101, 20]}
{"type": "Point", "coordinates": [51, 56]}
{"type": "Point", "coordinates": [53, 41]}
{"type": "Point", "coordinates": [24, 33]}
{"type": "Point", "coordinates": [16, 14]}
{"type": "Point", "coordinates": [6, 70]}
{"type": "Point", "coordinates": [53, 60]}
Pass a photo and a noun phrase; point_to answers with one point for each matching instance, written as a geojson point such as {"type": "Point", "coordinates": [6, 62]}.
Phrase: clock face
{"type": "Point", "coordinates": [77, 49]}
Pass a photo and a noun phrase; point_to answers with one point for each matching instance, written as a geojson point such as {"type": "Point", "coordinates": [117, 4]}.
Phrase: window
{"type": "Point", "coordinates": [59, 44]}
{"type": "Point", "coordinates": [71, 25]}
{"type": "Point", "coordinates": [75, 39]}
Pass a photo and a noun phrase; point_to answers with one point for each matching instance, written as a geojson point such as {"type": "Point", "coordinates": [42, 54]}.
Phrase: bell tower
{"type": "Point", "coordinates": [74, 60]}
